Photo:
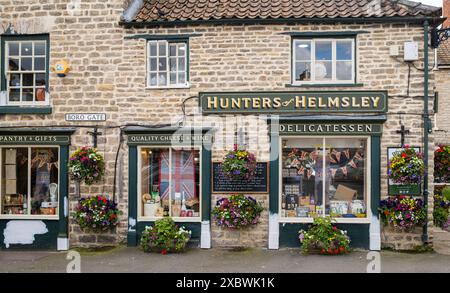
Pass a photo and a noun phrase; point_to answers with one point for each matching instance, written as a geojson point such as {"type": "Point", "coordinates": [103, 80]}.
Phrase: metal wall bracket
{"type": "Point", "coordinates": [438, 36]}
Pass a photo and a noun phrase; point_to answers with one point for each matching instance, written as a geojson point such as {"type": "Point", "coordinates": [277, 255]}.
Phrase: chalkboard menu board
{"type": "Point", "coordinates": [258, 184]}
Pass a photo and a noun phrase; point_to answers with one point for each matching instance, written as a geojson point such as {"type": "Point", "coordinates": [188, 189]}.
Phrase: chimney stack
{"type": "Point", "coordinates": [446, 12]}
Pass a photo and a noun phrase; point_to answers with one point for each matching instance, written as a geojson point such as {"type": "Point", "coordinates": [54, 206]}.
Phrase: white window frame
{"type": "Point", "coordinates": [166, 55]}
{"type": "Point", "coordinates": [29, 215]}
{"type": "Point", "coordinates": [34, 72]}
{"type": "Point", "coordinates": [333, 79]}
{"type": "Point", "coordinates": [142, 218]}
{"type": "Point", "coordinates": [367, 183]}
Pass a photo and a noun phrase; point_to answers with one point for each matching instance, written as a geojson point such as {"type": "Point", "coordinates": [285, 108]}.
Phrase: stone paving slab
{"type": "Point", "coordinates": [124, 259]}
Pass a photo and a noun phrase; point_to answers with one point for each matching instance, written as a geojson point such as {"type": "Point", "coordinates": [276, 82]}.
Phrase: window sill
{"type": "Point", "coordinates": [25, 110]}
{"type": "Point", "coordinates": [338, 220]}
{"type": "Point", "coordinates": [173, 87]}
{"type": "Point", "coordinates": [28, 217]}
{"type": "Point", "coordinates": [326, 85]}
{"type": "Point", "coordinates": [175, 219]}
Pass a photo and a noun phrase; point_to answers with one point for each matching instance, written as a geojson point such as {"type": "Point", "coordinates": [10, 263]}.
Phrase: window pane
{"type": "Point", "coordinates": [302, 71]}
{"type": "Point", "coordinates": [162, 78]}
{"type": "Point", "coordinates": [39, 63]}
{"type": "Point", "coordinates": [302, 50]}
{"type": "Point", "coordinates": [172, 50]}
{"type": "Point", "coordinates": [27, 79]}
{"type": "Point", "coordinates": [344, 50]}
{"type": "Point", "coordinates": [26, 64]}
{"type": "Point", "coordinates": [44, 181]}
{"type": "Point", "coordinates": [153, 64]}
{"type": "Point", "coordinates": [40, 79]}
{"type": "Point", "coordinates": [27, 48]}
{"type": "Point", "coordinates": [153, 48]}
{"type": "Point", "coordinates": [162, 64]}
{"type": "Point", "coordinates": [344, 186]}
{"type": "Point", "coordinates": [173, 78]}
{"type": "Point", "coordinates": [13, 64]}
{"type": "Point", "coordinates": [181, 78]}
{"type": "Point", "coordinates": [344, 70]}
{"type": "Point", "coordinates": [14, 187]}
{"type": "Point", "coordinates": [39, 48]}
{"type": "Point", "coordinates": [154, 175]}
{"type": "Point", "coordinates": [14, 95]}
{"type": "Point", "coordinates": [323, 70]}
{"type": "Point", "coordinates": [302, 175]}
{"type": "Point", "coordinates": [181, 50]}
{"type": "Point", "coordinates": [162, 49]}
{"type": "Point", "coordinates": [27, 95]}
{"type": "Point", "coordinates": [185, 183]}
{"type": "Point", "coordinates": [173, 64]}
{"type": "Point", "coordinates": [14, 79]}
{"type": "Point", "coordinates": [323, 50]}
{"type": "Point", "coordinates": [13, 49]}
{"type": "Point", "coordinates": [181, 64]}
{"type": "Point", "coordinates": [153, 79]}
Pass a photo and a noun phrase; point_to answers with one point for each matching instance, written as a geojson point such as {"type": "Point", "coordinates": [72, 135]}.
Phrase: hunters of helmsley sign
{"type": "Point", "coordinates": [298, 102]}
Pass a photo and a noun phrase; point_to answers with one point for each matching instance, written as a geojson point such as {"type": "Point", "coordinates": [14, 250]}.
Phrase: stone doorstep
{"type": "Point", "coordinates": [441, 241]}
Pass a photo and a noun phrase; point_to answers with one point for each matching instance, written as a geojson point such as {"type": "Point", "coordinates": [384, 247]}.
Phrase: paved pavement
{"type": "Point", "coordinates": [124, 259]}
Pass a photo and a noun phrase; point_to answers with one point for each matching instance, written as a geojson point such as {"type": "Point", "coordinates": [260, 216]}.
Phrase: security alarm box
{"type": "Point", "coordinates": [411, 51]}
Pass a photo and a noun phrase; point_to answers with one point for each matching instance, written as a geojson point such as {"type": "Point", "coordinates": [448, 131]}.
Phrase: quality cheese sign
{"type": "Point", "coordinates": [294, 102]}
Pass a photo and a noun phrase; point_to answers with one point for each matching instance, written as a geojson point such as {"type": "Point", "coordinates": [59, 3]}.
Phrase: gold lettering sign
{"type": "Point", "coordinates": [282, 102]}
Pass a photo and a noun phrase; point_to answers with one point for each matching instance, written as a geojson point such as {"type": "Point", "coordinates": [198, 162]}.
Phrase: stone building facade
{"type": "Point", "coordinates": [107, 55]}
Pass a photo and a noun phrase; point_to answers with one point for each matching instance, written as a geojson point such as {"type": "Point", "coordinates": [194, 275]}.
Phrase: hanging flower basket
{"type": "Point", "coordinates": [402, 212]}
{"type": "Point", "coordinates": [237, 211]}
{"type": "Point", "coordinates": [96, 214]}
{"type": "Point", "coordinates": [442, 164]}
{"type": "Point", "coordinates": [406, 166]}
{"type": "Point", "coordinates": [239, 164]}
{"type": "Point", "coordinates": [87, 165]}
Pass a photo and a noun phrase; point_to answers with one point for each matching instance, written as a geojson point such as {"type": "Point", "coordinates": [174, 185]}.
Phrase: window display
{"type": "Point", "coordinates": [170, 182]}
{"type": "Point", "coordinates": [324, 176]}
{"type": "Point", "coordinates": [29, 181]}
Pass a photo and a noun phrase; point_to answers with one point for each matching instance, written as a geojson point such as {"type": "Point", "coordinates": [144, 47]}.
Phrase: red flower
{"type": "Point", "coordinates": [404, 155]}
{"type": "Point", "coordinates": [342, 249]}
{"type": "Point", "coordinates": [323, 250]}
{"type": "Point", "coordinates": [163, 252]}
{"type": "Point", "coordinates": [336, 251]}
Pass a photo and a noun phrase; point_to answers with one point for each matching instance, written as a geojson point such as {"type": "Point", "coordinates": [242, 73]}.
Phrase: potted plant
{"type": "Point", "coordinates": [239, 164]}
{"type": "Point", "coordinates": [402, 212]}
{"type": "Point", "coordinates": [324, 237]}
{"type": "Point", "coordinates": [96, 214]}
{"type": "Point", "coordinates": [406, 166]}
{"type": "Point", "coordinates": [442, 163]}
{"type": "Point", "coordinates": [86, 164]}
{"type": "Point", "coordinates": [164, 236]}
{"type": "Point", "coordinates": [237, 211]}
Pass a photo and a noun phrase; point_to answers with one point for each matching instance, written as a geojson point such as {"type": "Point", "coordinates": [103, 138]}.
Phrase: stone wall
{"type": "Point", "coordinates": [109, 75]}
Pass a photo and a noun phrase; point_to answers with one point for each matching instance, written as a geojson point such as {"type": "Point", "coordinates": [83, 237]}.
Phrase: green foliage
{"type": "Point", "coordinates": [446, 193]}
{"type": "Point", "coordinates": [164, 236]}
{"type": "Point", "coordinates": [323, 235]}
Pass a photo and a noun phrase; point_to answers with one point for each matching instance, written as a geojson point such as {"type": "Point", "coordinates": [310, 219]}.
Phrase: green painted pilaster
{"type": "Point", "coordinates": [274, 177]}
{"type": "Point", "coordinates": [63, 193]}
{"type": "Point", "coordinates": [206, 182]}
{"type": "Point", "coordinates": [132, 196]}
{"type": "Point", "coordinates": [375, 173]}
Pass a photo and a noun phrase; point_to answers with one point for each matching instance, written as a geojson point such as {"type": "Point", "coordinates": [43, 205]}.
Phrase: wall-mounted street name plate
{"type": "Point", "coordinates": [85, 117]}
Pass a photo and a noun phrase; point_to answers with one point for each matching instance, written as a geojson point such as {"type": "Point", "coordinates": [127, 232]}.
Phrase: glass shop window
{"type": "Point", "coordinates": [29, 181]}
{"type": "Point", "coordinates": [324, 176]}
{"type": "Point", "coordinates": [167, 64]}
{"type": "Point", "coordinates": [170, 183]}
{"type": "Point", "coordinates": [323, 61]}
{"type": "Point", "coordinates": [26, 72]}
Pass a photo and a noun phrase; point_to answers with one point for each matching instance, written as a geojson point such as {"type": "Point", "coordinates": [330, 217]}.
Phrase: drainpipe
{"type": "Point", "coordinates": [425, 127]}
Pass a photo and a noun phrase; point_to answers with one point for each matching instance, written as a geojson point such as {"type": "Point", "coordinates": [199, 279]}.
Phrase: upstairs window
{"type": "Point", "coordinates": [323, 61]}
{"type": "Point", "coordinates": [167, 64]}
{"type": "Point", "coordinates": [25, 70]}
